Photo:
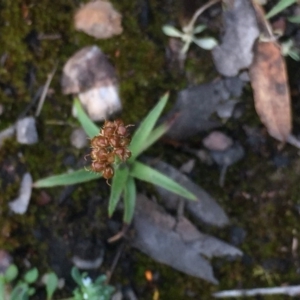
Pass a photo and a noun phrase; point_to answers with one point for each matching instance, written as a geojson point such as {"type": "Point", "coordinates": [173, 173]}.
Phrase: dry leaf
{"type": "Point", "coordinates": [178, 244]}
{"type": "Point", "coordinates": [271, 93]}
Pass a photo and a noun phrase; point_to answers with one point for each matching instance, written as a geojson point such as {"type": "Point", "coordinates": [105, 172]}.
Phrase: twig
{"type": "Point", "coordinates": [45, 90]}
{"type": "Point", "coordinates": [285, 290]}
{"type": "Point", "coordinates": [199, 12]}
{"type": "Point", "coordinates": [115, 261]}
{"type": "Point", "coordinates": [222, 175]}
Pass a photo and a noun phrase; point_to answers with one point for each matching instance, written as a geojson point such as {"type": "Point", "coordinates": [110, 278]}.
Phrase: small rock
{"type": "Point", "coordinates": [20, 204]}
{"type": "Point", "coordinates": [188, 166]}
{"type": "Point", "coordinates": [26, 131]}
{"type": "Point", "coordinates": [89, 74]}
{"type": "Point", "coordinates": [225, 110]}
{"type": "Point", "coordinates": [229, 156]}
{"type": "Point", "coordinates": [217, 141]}
{"type": "Point", "coordinates": [5, 261]}
{"type": "Point", "coordinates": [79, 138]}
{"type": "Point", "coordinates": [241, 31]}
{"type": "Point", "coordinates": [99, 19]}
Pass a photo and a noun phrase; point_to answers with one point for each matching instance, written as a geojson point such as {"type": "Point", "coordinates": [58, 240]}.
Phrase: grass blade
{"type": "Point", "coordinates": [279, 7]}
{"type": "Point", "coordinates": [117, 187]}
{"type": "Point", "coordinates": [74, 177]}
{"type": "Point", "coordinates": [90, 128]}
{"type": "Point", "coordinates": [146, 173]}
{"type": "Point", "coordinates": [155, 135]}
{"type": "Point", "coordinates": [294, 19]}
{"type": "Point", "coordinates": [142, 133]}
{"type": "Point", "coordinates": [129, 199]}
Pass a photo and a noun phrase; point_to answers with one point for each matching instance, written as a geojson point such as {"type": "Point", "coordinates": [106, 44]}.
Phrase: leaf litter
{"type": "Point", "coordinates": [178, 244]}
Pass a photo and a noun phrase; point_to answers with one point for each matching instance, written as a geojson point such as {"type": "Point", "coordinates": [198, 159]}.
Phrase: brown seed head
{"type": "Point", "coordinates": [108, 172]}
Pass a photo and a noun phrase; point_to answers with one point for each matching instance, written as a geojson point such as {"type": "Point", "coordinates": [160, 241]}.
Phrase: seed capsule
{"type": "Point", "coordinates": [99, 154]}
{"type": "Point", "coordinates": [98, 167]}
{"type": "Point", "coordinates": [108, 172]}
{"type": "Point", "coordinates": [123, 153]}
{"type": "Point", "coordinates": [124, 142]}
{"type": "Point", "coordinates": [99, 141]}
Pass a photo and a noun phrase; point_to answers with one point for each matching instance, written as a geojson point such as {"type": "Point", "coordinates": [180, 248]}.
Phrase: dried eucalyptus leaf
{"type": "Point", "coordinates": [179, 245]}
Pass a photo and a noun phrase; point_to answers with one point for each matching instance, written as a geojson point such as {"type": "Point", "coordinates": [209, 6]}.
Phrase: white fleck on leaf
{"type": "Point", "coordinates": [20, 204]}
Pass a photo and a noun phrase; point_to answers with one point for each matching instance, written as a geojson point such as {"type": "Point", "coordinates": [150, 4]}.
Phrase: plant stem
{"type": "Point", "coordinates": [190, 26]}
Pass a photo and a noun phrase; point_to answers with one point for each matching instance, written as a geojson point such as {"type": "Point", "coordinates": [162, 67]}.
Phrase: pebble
{"type": "Point", "coordinates": [26, 131]}
{"type": "Point", "coordinates": [229, 156]}
{"type": "Point", "coordinates": [217, 141]}
{"type": "Point", "coordinates": [5, 261]}
{"type": "Point", "coordinates": [79, 139]}
{"type": "Point", "coordinates": [20, 204]}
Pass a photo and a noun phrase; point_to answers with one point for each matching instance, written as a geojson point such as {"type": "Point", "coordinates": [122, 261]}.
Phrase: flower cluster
{"type": "Point", "coordinates": [112, 141]}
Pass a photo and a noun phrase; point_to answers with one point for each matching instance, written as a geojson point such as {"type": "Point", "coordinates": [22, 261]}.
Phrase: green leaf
{"type": "Point", "coordinates": [155, 135]}
{"type": "Point", "coordinates": [117, 187]}
{"type": "Point", "coordinates": [51, 284]}
{"type": "Point", "coordinates": [146, 173]}
{"type": "Point", "coordinates": [294, 19]}
{"type": "Point", "coordinates": [199, 29]}
{"type": "Point", "coordinates": [129, 199]}
{"type": "Point", "coordinates": [11, 273]}
{"type": "Point", "coordinates": [76, 276]}
{"type": "Point", "coordinates": [2, 286]}
{"type": "Point", "coordinates": [171, 31]}
{"type": "Point", "coordinates": [87, 124]}
{"type": "Point", "coordinates": [294, 55]}
{"type": "Point", "coordinates": [279, 7]}
{"type": "Point", "coordinates": [101, 279]}
{"type": "Point", "coordinates": [73, 177]}
{"type": "Point", "coordinates": [31, 276]}
{"type": "Point", "coordinates": [206, 43]}
{"type": "Point", "coordinates": [142, 133]}
{"type": "Point", "coordinates": [20, 292]}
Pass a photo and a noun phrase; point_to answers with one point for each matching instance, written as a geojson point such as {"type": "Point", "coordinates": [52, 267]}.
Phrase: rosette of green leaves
{"type": "Point", "coordinates": [123, 182]}
{"type": "Point", "coordinates": [188, 36]}
{"type": "Point", "coordinates": [88, 289]}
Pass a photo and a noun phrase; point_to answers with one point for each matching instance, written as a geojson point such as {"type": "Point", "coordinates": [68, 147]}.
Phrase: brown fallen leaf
{"type": "Point", "coordinates": [271, 92]}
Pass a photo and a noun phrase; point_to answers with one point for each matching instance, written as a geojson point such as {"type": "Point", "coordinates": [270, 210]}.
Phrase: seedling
{"type": "Point", "coordinates": [189, 32]}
